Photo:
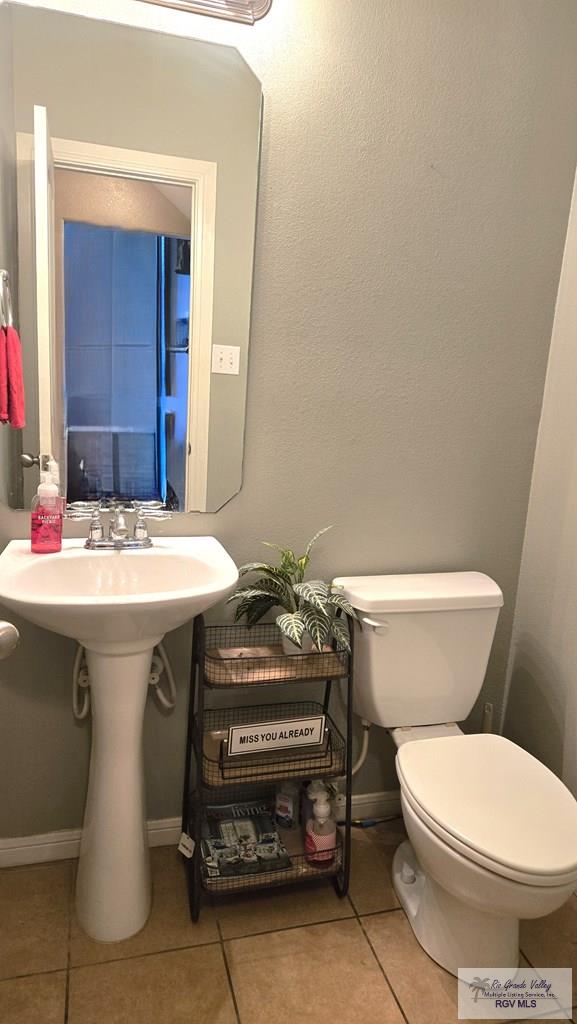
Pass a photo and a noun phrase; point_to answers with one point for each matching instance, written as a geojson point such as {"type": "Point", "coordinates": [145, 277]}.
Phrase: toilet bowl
{"type": "Point", "coordinates": [493, 839]}
{"type": "Point", "coordinates": [492, 832]}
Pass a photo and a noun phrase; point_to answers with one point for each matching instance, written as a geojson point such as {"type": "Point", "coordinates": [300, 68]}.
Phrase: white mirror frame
{"type": "Point", "coordinates": [201, 177]}
{"type": "Point", "coordinates": [245, 11]}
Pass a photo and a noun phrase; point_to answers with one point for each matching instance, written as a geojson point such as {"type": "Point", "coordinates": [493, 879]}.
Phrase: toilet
{"type": "Point", "coordinates": [492, 832]}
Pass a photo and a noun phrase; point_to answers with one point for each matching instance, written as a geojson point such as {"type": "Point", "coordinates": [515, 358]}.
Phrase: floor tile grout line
{"type": "Point", "coordinates": [138, 956]}
{"type": "Point", "coordinates": [67, 997]}
{"type": "Point", "coordinates": [228, 973]}
{"type": "Point", "coordinates": [288, 928]}
{"type": "Point", "coordinates": [375, 913]}
{"type": "Point", "coordinates": [35, 974]}
{"type": "Point", "coordinates": [532, 965]}
{"type": "Point", "coordinates": [197, 945]}
{"type": "Point", "coordinates": [383, 972]}
{"type": "Point", "coordinates": [67, 992]}
{"type": "Point", "coordinates": [523, 953]}
{"type": "Point", "coordinates": [373, 951]}
{"type": "Point", "coordinates": [71, 906]}
{"type": "Point", "coordinates": [212, 942]}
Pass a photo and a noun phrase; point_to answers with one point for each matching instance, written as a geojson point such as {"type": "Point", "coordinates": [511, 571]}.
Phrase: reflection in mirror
{"type": "Point", "coordinates": [136, 194]}
{"type": "Point", "coordinates": [125, 296]}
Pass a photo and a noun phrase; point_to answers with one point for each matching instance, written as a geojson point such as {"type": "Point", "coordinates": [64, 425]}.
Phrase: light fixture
{"type": "Point", "coordinates": [247, 11]}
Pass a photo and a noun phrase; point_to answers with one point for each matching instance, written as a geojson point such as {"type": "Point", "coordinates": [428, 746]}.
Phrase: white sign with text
{"type": "Point", "coordinates": [515, 993]}
{"type": "Point", "coordinates": [258, 736]}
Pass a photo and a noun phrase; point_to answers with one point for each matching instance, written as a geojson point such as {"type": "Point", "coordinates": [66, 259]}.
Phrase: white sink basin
{"type": "Point", "coordinates": [103, 598]}
{"type": "Point", "coordinates": [118, 605]}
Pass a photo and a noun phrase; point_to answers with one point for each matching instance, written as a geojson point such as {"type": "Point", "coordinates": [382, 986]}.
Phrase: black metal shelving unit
{"type": "Point", "coordinates": [237, 658]}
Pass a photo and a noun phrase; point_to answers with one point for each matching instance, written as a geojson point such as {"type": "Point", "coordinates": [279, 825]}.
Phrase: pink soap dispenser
{"type": "Point", "coordinates": [47, 511]}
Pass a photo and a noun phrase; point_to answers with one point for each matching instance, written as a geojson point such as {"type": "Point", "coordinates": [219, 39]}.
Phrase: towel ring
{"type": "Point", "coordinates": [6, 313]}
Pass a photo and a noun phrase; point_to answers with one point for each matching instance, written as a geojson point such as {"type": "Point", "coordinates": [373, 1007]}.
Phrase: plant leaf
{"type": "Point", "coordinates": [341, 634]}
{"type": "Point", "coordinates": [251, 593]}
{"type": "Point", "coordinates": [243, 608]}
{"type": "Point", "coordinates": [303, 561]}
{"type": "Point", "coordinates": [275, 547]}
{"type": "Point", "coordinates": [288, 562]}
{"type": "Point", "coordinates": [292, 625]}
{"type": "Point", "coordinates": [266, 584]}
{"type": "Point", "coordinates": [274, 571]}
{"type": "Point", "coordinates": [241, 591]}
{"type": "Point", "coordinates": [338, 601]}
{"type": "Point", "coordinates": [318, 625]}
{"type": "Point", "coordinates": [315, 538]}
{"type": "Point", "coordinates": [256, 609]}
{"type": "Point", "coordinates": [315, 592]}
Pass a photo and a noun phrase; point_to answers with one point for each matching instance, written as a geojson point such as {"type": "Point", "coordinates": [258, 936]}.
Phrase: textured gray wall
{"type": "Point", "coordinates": [416, 177]}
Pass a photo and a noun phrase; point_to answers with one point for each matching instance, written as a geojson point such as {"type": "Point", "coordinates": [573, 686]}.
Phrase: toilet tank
{"type": "Point", "coordinates": [421, 645]}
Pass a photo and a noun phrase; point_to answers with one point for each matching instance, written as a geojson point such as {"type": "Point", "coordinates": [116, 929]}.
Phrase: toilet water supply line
{"type": "Point", "coordinates": [365, 741]}
{"type": "Point", "coordinates": [81, 682]}
{"type": "Point", "coordinates": [364, 747]}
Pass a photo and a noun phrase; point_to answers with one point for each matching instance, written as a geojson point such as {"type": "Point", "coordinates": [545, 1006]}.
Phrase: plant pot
{"type": "Point", "coordinates": [290, 648]}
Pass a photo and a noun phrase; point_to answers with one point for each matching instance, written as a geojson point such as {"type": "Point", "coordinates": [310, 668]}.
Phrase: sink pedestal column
{"type": "Point", "coordinates": [113, 890]}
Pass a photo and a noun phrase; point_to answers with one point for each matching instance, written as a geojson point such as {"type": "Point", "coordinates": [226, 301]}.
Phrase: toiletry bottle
{"type": "Point", "coordinates": [47, 511]}
{"type": "Point", "coordinates": [321, 834]}
{"type": "Point", "coordinates": [315, 789]}
{"type": "Point", "coordinates": [286, 804]}
{"type": "Point", "coordinates": [339, 810]}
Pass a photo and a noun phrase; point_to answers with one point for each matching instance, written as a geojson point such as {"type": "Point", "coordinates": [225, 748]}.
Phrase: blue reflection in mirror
{"type": "Point", "coordinates": [126, 322]}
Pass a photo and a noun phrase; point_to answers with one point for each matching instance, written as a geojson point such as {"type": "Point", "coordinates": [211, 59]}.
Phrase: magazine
{"type": "Point", "coordinates": [241, 839]}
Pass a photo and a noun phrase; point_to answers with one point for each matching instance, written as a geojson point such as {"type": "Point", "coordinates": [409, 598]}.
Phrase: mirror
{"type": "Point", "coordinates": [123, 310]}
{"type": "Point", "coordinates": [137, 184]}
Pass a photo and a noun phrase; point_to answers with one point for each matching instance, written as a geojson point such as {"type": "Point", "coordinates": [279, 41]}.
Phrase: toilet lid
{"type": "Point", "coordinates": [495, 799]}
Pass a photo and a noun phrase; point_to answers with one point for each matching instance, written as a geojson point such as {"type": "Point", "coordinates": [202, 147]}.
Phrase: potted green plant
{"type": "Point", "coordinates": [309, 619]}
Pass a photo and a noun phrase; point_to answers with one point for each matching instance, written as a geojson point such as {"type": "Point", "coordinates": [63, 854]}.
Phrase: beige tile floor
{"type": "Point", "coordinates": [287, 955]}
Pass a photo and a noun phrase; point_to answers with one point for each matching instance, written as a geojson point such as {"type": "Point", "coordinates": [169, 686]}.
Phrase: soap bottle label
{"type": "Point", "coordinates": [46, 527]}
{"type": "Point", "coordinates": [319, 848]}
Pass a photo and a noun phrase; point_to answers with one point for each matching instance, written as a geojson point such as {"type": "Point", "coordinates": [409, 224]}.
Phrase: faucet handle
{"type": "Point", "coordinates": [151, 510]}
{"type": "Point", "coordinates": [95, 531]}
{"type": "Point", "coordinates": [145, 510]}
{"type": "Point", "coordinates": [77, 510]}
{"type": "Point", "coordinates": [140, 527]}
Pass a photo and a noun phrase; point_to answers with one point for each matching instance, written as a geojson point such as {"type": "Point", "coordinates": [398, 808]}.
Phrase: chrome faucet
{"type": "Point", "coordinates": [118, 533]}
{"type": "Point", "coordinates": [117, 529]}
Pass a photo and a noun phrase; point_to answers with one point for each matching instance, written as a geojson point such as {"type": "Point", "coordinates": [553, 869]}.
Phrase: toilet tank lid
{"type": "Point", "coordinates": [419, 592]}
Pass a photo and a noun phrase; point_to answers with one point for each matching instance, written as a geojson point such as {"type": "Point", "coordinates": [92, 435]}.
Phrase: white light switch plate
{"type": "Point", "coordinates": [225, 359]}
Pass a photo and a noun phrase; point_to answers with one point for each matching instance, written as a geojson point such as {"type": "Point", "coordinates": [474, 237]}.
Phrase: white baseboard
{"type": "Point", "coordinates": [166, 832]}
{"type": "Point", "coordinates": [377, 805]}
{"type": "Point", "coordinates": [65, 844]}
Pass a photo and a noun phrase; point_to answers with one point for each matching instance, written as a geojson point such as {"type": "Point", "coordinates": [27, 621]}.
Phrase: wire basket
{"type": "Point", "coordinates": [240, 655]}
{"type": "Point", "coordinates": [328, 759]}
{"type": "Point", "coordinates": [300, 870]}
{"type": "Point", "coordinates": [296, 864]}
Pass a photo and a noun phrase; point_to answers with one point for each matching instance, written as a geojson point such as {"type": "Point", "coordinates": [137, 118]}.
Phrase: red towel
{"type": "Point", "coordinates": [16, 415]}
{"type": "Point", "coordinates": [3, 378]}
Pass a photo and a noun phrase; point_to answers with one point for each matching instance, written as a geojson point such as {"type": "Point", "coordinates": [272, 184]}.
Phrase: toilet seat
{"type": "Point", "coordinates": [495, 804]}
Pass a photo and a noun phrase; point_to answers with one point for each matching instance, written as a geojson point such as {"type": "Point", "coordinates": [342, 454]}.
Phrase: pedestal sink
{"type": "Point", "coordinates": [118, 605]}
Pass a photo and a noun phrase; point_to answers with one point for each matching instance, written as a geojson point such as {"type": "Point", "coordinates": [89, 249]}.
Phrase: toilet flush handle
{"type": "Point", "coordinates": [377, 627]}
